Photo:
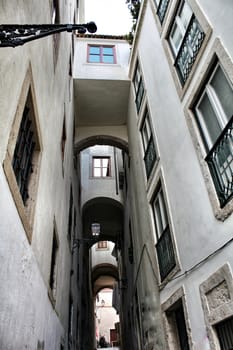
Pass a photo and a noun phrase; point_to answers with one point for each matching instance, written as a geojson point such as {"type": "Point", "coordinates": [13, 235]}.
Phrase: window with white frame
{"type": "Point", "coordinates": [214, 110]}
{"type": "Point", "coordinates": [101, 54]}
{"type": "Point", "coordinates": [101, 167]}
{"type": "Point", "coordinates": [185, 38]}
{"type": "Point", "coordinates": [164, 245]}
{"type": "Point", "coordinates": [150, 155]}
{"type": "Point", "coordinates": [138, 86]}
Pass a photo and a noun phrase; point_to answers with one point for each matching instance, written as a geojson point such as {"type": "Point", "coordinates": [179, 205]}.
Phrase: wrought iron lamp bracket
{"type": "Point", "coordinates": [12, 35]}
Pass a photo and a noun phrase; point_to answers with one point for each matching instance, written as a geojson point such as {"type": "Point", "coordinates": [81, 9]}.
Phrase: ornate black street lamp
{"type": "Point", "coordinates": [12, 35]}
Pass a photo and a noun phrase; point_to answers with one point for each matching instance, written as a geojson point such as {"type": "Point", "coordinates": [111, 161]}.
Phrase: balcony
{"type": "Point", "coordinates": [165, 253]}
{"type": "Point", "coordinates": [220, 162]}
{"type": "Point", "coordinates": [189, 49]}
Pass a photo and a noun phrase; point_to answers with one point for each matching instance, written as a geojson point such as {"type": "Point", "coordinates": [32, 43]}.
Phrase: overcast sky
{"type": "Point", "coordinates": [111, 16]}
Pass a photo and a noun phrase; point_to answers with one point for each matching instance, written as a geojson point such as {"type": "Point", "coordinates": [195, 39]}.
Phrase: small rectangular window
{"type": "Point", "coordinates": [102, 245]}
{"type": "Point", "coordinates": [150, 155]}
{"type": "Point", "coordinates": [101, 54]}
{"type": "Point", "coordinates": [138, 86]}
{"type": "Point", "coordinates": [164, 245]}
{"type": "Point", "coordinates": [53, 268]}
{"type": "Point", "coordinates": [162, 6]}
{"type": "Point", "coordinates": [101, 167]}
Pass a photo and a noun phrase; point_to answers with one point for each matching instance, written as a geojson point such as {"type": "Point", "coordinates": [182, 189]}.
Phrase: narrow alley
{"type": "Point", "coordinates": [116, 177]}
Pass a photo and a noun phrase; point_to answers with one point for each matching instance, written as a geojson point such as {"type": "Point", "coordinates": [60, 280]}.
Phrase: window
{"type": "Point", "coordinates": [70, 219]}
{"type": "Point", "coordinates": [53, 268]}
{"type": "Point", "coordinates": [177, 326]}
{"type": "Point", "coordinates": [225, 334]}
{"type": "Point", "coordinates": [101, 167]}
{"type": "Point", "coordinates": [55, 20]}
{"type": "Point", "coordinates": [63, 139]}
{"type": "Point", "coordinates": [162, 6]}
{"type": "Point", "coordinates": [148, 144]}
{"type": "Point", "coordinates": [101, 54]}
{"type": "Point", "coordinates": [102, 245]}
{"type": "Point", "coordinates": [214, 111]}
{"type": "Point", "coordinates": [22, 161]}
{"type": "Point", "coordinates": [164, 245]}
{"type": "Point", "coordinates": [138, 86]}
{"type": "Point", "coordinates": [185, 38]}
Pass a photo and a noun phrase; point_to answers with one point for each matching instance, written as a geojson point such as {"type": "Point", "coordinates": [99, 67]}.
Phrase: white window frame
{"type": "Point", "coordinates": [216, 105]}
{"type": "Point", "coordinates": [179, 23]}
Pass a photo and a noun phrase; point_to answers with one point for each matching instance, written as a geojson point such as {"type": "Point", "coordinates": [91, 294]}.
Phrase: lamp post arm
{"type": "Point", "coordinates": [12, 35]}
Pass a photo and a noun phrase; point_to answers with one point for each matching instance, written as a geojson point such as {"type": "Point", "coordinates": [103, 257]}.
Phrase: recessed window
{"type": "Point", "coordinates": [101, 54]}
{"type": "Point", "coordinates": [162, 6]}
{"type": "Point", "coordinates": [224, 331]}
{"type": "Point", "coordinates": [185, 38]}
{"type": "Point", "coordinates": [177, 327]}
{"type": "Point", "coordinates": [22, 161]}
{"type": "Point", "coordinates": [164, 245]}
{"type": "Point", "coordinates": [63, 139]}
{"type": "Point", "coordinates": [101, 167]}
{"type": "Point", "coordinates": [150, 155]}
{"type": "Point", "coordinates": [138, 86]}
{"type": "Point", "coordinates": [53, 268]}
{"type": "Point", "coordinates": [102, 245]}
{"type": "Point", "coordinates": [214, 115]}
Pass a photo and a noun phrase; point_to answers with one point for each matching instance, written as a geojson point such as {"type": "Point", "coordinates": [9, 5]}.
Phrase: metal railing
{"type": "Point", "coordinates": [189, 49]}
{"type": "Point", "coordinates": [220, 162]}
{"type": "Point", "coordinates": [150, 156]}
{"type": "Point", "coordinates": [165, 253]}
{"type": "Point", "coordinates": [162, 9]}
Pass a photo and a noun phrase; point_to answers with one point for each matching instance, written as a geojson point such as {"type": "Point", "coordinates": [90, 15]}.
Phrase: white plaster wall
{"type": "Point", "coordinates": [97, 187]}
{"type": "Point", "coordinates": [27, 314]}
{"type": "Point", "coordinates": [84, 70]}
{"type": "Point", "coordinates": [196, 231]}
{"type": "Point", "coordinates": [103, 256]}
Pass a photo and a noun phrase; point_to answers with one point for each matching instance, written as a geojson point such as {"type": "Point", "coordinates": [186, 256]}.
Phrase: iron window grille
{"type": "Point", "coordinates": [23, 154]}
{"type": "Point", "coordinates": [165, 253]}
{"type": "Point", "coordinates": [214, 110]}
{"type": "Point", "coordinates": [138, 86]}
{"type": "Point", "coordinates": [162, 6]}
{"type": "Point", "coordinates": [101, 54]}
{"type": "Point", "coordinates": [186, 37]}
{"type": "Point", "coordinates": [164, 245]}
{"type": "Point", "coordinates": [150, 155]}
{"type": "Point", "coordinates": [225, 334]}
{"type": "Point", "coordinates": [220, 162]}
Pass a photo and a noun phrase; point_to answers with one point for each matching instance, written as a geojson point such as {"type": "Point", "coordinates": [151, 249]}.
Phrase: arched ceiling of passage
{"type": "Point", "coordinates": [104, 276]}
{"type": "Point", "coordinates": [108, 213]}
{"type": "Point", "coordinates": [93, 140]}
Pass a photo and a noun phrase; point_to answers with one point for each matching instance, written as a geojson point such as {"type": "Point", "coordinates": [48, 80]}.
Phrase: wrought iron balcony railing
{"type": "Point", "coordinates": [189, 49]}
{"type": "Point", "coordinates": [165, 253]}
{"type": "Point", "coordinates": [150, 156]}
{"type": "Point", "coordinates": [162, 9]}
{"type": "Point", "coordinates": [220, 162]}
